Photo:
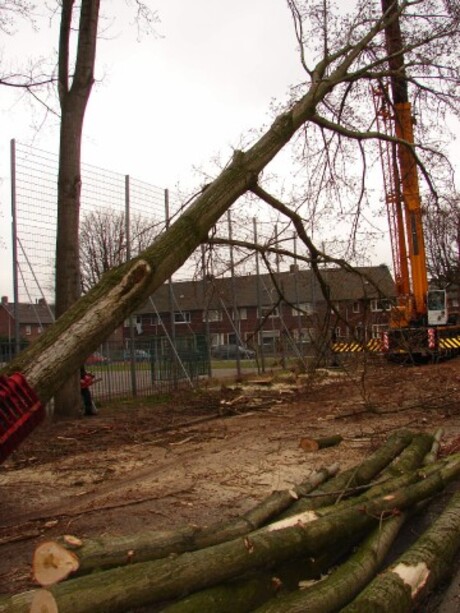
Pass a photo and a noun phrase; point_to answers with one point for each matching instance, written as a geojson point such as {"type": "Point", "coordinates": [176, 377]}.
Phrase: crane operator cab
{"type": "Point", "coordinates": [437, 307]}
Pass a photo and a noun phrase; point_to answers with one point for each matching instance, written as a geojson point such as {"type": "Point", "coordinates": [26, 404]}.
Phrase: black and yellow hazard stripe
{"type": "Point", "coordinates": [374, 345]}
{"type": "Point", "coordinates": [449, 342]}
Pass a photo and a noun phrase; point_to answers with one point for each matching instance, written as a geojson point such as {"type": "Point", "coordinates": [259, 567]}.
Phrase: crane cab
{"type": "Point", "coordinates": [437, 313]}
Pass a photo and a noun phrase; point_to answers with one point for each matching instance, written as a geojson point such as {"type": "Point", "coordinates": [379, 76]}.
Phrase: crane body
{"type": "Point", "coordinates": [419, 321]}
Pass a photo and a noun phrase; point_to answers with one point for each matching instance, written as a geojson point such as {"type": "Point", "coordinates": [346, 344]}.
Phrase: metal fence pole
{"type": "Point", "coordinates": [259, 301]}
{"type": "Point", "coordinates": [236, 319]}
{"type": "Point", "coordinates": [171, 302]}
{"type": "Point", "coordinates": [205, 294]}
{"type": "Point", "coordinates": [14, 231]}
{"type": "Point", "coordinates": [128, 257]}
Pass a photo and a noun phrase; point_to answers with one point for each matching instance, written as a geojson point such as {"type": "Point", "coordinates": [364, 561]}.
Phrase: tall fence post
{"type": "Point", "coordinates": [128, 257]}
{"type": "Point", "coordinates": [174, 361]}
{"type": "Point", "coordinates": [235, 317]}
{"type": "Point", "coordinates": [14, 232]}
{"type": "Point", "coordinates": [259, 300]}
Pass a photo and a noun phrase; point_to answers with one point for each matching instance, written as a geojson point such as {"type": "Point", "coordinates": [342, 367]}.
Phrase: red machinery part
{"type": "Point", "coordinates": [20, 412]}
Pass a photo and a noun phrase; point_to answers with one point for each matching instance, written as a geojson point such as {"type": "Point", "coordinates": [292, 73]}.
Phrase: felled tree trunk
{"type": "Point", "coordinates": [119, 589]}
{"type": "Point", "coordinates": [344, 482]}
{"type": "Point", "coordinates": [314, 444]}
{"type": "Point", "coordinates": [347, 581]}
{"type": "Point", "coordinates": [108, 552]}
{"type": "Point", "coordinates": [352, 576]}
{"type": "Point", "coordinates": [415, 573]}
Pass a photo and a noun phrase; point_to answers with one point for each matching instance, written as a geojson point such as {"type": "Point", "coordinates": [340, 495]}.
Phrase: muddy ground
{"type": "Point", "coordinates": [206, 455]}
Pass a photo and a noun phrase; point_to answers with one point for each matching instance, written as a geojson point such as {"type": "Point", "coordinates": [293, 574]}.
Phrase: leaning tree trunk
{"type": "Point", "coordinates": [73, 105]}
{"type": "Point", "coordinates": [57, 354]}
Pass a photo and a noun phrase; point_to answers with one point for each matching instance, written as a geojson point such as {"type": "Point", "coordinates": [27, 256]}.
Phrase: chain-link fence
{"type": "Point", "coordinates": [143, 211]}
{"type": "Point", "coordinates": [34, 207]}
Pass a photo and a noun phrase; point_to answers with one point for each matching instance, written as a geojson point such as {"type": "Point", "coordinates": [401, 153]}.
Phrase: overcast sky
{"type": "Point", "coordinates": [167, 104]}
{"type": "Point", "coordinates": [164, 105]}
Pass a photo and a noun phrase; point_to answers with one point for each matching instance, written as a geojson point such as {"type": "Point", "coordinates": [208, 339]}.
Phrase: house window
{"type": "Point", "coordinates": [304, 335]}
{"type": "Point", "coordinates": [212, 315]}
{"type": "Point", "coordinates": [149, 320]}
{"type": "Point", "coordinates": [355, 307]}
{"type": "Point", "coordinates": [28, 330]}
{"type": "Point", "coordinates": [269, 311]}
{"type": "Point", "coordinates": [270, 339]}
{"type": "Point", "coordinates": [39, 330]}
{"type": "Point", "coordinates": [378, 304]}
{"type": "Point", "coordinates": [136, 320]}
{"type": "Point", "coordinates": [304, 308]}
{"type": "Point", "coordinates": [243, 312]}
{"type": "Point", "coordinates": [378, 330]}
{"type": "Point", "coordinates": [182, 317]}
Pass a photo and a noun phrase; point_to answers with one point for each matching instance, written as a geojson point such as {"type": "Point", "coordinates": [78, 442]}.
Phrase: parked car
{"type": "Point", "coordinates": [139, 355]}
{"type": "Point", "coordinates": [97, 358]}
{"type": "Point", "coordinates": [231, 352]}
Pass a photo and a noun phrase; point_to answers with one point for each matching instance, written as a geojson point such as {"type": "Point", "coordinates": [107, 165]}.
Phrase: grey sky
{"type": "Point", "coordinates": [167, 104]}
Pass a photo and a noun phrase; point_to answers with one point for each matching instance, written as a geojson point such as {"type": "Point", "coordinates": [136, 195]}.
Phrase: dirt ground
{"type": "Point", "coordinates": [209, 454]}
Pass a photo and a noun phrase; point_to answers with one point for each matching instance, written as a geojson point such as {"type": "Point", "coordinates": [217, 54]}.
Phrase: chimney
{"type": "Point", "coordinates": [294, 268]}
{"type": "Point", "coordinates": [4, 300]}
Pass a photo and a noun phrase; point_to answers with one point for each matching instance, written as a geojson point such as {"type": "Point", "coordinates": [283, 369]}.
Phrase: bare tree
{"type": "Point", "coordinates": [347, 53]}
{"type": "Point", "coordinates": [104, 242]}
{"type": "Point", "coordinates": [442, 224]}
{"type": "Point", "coordinates": [10, 10]}
{"type": "Point", "coordinates": [75, 81]}
{"type": "Point", "coordinates": [74, 87]}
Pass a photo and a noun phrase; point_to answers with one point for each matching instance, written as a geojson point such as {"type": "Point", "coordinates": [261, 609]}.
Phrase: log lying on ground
{"type": "Point", "coordinates": [417, 571]}
{"type": "Point", "coordinates": [121, 589]}
{"type": "Point", "coordinates": [117, 551]}
{"type": "Point", "coordinates": [347, 581]}
{"type": "Point", "coordinates": [245, 595]}
{"type": "Point", "coordinates": [314, 444]}
{"type": "Point", "coordinates": [354, 477]}
{"type": "Point", "coordinates": [108, 552]}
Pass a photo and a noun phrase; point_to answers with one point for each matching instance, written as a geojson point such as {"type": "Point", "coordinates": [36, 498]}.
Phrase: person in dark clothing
{"type": "Point", "coordinates": [86, 380]}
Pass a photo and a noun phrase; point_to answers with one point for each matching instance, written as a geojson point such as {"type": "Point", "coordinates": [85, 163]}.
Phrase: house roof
{"type": "Point", "coordinates": [298, 286]}
{"type": "Point", "coordinates": [33, 314]}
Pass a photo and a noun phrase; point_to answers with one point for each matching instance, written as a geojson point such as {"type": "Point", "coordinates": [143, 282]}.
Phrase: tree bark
{"type": "Point", "coordinates": [108, 552]}
{"type": "Point", "coordinates": [313, 444]}
{"type": "Point", "coordinates": [421, 567]}
{"type": "Point", "coordinates": [333, 593]}
{"type": "Point", "coordinates": [345, 482]}
{"type": "Point", "coordinates": [119, 589]}
{"type": "Point", "coordinates": [73, 101]}
{"type": "Point", "coordinates": [352, 576]}
{"type": "Point", "coordinates": [339, 589]}
{"type": "Point", "coordinates": [49, 362]}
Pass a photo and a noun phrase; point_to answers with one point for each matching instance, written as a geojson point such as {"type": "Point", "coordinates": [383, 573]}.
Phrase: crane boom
{"type": "Point", "coordinates": [419, 326]}
{"type": "Point", "coordinates": [414, 279]}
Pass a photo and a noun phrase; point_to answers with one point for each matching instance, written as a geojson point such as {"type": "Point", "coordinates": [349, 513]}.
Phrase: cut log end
{"type": "Point", "coordinates": [53, 563]}
{"type": "Point", "coordinates": [311, 445]}
{"type": "Point", "coordinates": [43, 602]}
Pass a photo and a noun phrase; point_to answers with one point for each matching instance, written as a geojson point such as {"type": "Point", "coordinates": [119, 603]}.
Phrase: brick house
{"type": "Point", "coordinates": [33, 319]}
{"type": "Point", "coordinates": [276, 313]}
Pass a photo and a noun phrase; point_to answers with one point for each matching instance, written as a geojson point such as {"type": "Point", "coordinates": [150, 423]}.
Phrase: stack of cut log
{"type": "Point", "coordinates": [318, 547]}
